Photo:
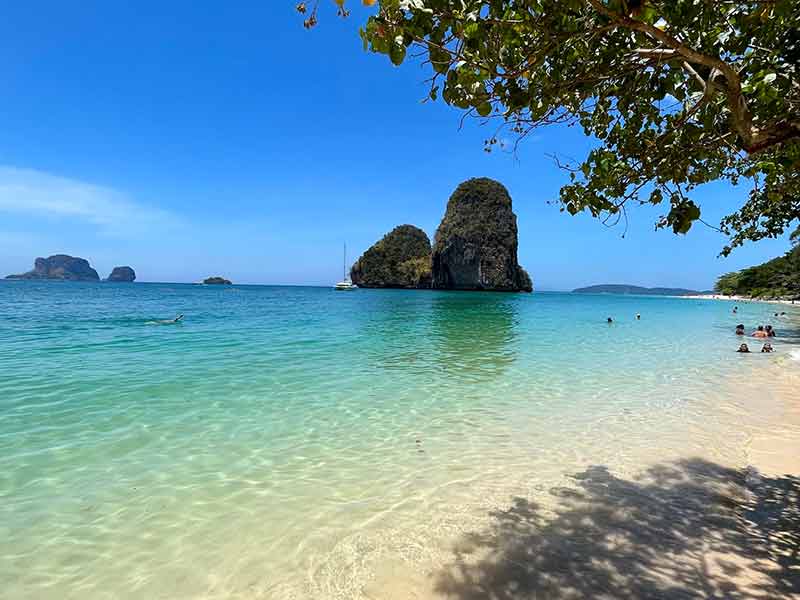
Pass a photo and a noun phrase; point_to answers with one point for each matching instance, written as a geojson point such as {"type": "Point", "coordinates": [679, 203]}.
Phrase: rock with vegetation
{"type": "Point", "coordinates": [60, 267]}
{"type": "Point", "coordinates": [777, 278]}
{"type": "Point", "coordinates": [216, 281]}
{"type": "Point", "coordinates": [122, 275]}
{"type": "Point", "coordinates": [475, 247]}
{"type": "Point", "coordinates": [401, 259]}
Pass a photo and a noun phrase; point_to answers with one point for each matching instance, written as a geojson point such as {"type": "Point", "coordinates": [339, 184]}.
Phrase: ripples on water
{"type": "Point", "coordinates": [281, 442]}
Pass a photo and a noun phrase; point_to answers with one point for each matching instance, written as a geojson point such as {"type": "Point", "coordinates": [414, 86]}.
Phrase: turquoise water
{"type": "Point", "coordinates": [281, 442]}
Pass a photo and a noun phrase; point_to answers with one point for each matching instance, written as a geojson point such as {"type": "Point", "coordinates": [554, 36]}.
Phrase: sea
{"type": "Point", "coordinates": [299, 442]}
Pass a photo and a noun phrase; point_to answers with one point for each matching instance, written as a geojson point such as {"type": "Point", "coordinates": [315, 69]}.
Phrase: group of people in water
{"type": "Point", "coordinates": [761, 332]}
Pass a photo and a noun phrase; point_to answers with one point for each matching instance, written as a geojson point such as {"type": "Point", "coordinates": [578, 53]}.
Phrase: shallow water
{"type": "Point", "coordinates": [291, 442]}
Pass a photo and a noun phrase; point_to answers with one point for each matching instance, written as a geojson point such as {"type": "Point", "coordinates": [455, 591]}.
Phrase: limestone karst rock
{"type": "Point", "coordinates": [122, 274]}
{"type": "Point", "coordinates": [401, 259]}
{"type": "Point", "coordinates": [60, 267]}
{"type": "Point", "coordinates": [475, 247]}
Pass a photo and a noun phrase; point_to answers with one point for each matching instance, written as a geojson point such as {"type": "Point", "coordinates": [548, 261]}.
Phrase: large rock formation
{"type": "Point", "coordinates": [475, 247]}
{"type": "Point", "coordinates": [122, 274]}
{"type": "Point", "coordinates": [216, 281]}
{"type": "Point", "coordinates": [402, 259]}
{"type": "Point", "coordinates": [61, 267]}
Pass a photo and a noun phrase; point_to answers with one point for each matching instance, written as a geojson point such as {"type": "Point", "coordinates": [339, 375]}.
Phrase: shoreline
{"type": "Point", "coordinates": [671, 517]}
{"type": "Point", "coordinates": [435, 450]}
{"type": "Point", "coordinates": [735, 298]}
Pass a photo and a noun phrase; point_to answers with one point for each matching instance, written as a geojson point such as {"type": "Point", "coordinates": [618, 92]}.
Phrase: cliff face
{"type": "Point", "coordinates": [61, 267]}
{"type": "Point", "coordinates": [402, 259]}
{"type": "Point", "coordinates": [475, 247]}
{"type": "Point", "coordinates": [122, 274]}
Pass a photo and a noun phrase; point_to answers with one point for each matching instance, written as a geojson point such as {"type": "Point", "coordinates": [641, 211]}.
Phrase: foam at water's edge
{"type": "Point", "coordinates": [795, 355]}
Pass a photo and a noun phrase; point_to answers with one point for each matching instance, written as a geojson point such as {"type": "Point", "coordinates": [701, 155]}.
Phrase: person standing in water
{"type": "Point", "coordinates": [743, 349]}
{"type": "Point", "coordinates": [740, 329]}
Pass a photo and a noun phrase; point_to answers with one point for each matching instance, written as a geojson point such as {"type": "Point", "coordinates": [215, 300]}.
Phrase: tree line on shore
{"type": "Point", "coordinates": [774, 279]}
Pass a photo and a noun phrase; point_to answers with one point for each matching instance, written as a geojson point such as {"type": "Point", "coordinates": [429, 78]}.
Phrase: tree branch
{"type": "Point", "coordinates": [753, 138]}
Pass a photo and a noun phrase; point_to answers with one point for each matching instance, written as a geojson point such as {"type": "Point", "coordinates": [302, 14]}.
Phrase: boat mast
{"type": "Point", "coordinates": [344, 263]}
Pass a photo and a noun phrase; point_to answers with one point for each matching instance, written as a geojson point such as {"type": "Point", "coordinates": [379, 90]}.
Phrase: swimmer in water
{"type": "Point", "coordinates": [609, 320]}
{"type": "Point", "coordinates": [767, 347]}
{"type": "Point", "coordinates": [744, 349]}
{"type": "Point", "coordinates": [638, 317]}
{"type": "Point", "coordinates": [740, 329]}
{"type": "Point", "coordinates": [760, 333]}
{"type": "Point", "coordinates": [177, 319]}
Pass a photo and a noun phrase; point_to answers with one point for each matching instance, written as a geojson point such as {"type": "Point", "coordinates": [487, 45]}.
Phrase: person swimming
{"type": "Point", "coordinates": [767, 347]}
{"type": "Point", "coordinates": [740, 329]}
{"type": "Point", "coordinates": [177, 319]}
{"type": "Point", "coordinates": [735, 309]}
{"type": "Point", "coordinates": [760, 333]}
{"type": "Point", "coordinates": [770, 331]}
{"type": "Point", "coordinates": [638, 317]}
{"type": "Point", "coordinates": [743, 349]}
{"type": "Point", "coordinates": [609, 320]}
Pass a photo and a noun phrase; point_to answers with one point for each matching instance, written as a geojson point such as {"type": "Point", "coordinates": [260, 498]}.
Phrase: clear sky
{"type": "Point", "coordinates": [188, 139]}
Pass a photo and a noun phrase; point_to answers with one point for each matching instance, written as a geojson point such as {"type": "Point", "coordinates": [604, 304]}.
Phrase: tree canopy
{"type": "Point", "coordinates": [677, 93]}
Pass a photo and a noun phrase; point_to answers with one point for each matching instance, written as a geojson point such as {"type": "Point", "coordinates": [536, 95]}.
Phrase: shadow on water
{"type": "Point", "coordinates": [474, 334]}
{"type": "Point", "coordinates": [690, 529]}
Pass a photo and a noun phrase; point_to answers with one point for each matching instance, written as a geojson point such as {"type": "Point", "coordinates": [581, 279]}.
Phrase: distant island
{"type": "Point", "coordinates": [475, 248]}
{"type": "Point", "coordinates": [617, 288]}
{"type": "Point", "coordinates": [60, 267]}
{"type": "Point", "coordinates": [63, 267]}
{"type": "Point", "coordinates": [122, 275]}
{"type": "Point", "coordinates": [216, 281]}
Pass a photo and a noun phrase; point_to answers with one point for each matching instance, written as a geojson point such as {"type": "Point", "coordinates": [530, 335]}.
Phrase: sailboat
{"type": "Point", "coordinates": [346, 284]}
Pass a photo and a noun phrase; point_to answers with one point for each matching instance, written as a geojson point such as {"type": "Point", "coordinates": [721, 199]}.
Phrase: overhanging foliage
{"type": "Point", "coordinates": [677, 92]}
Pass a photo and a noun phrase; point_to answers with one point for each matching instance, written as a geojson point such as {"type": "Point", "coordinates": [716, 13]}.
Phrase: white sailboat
{"type": "Point", "coordinates": [346, 284]}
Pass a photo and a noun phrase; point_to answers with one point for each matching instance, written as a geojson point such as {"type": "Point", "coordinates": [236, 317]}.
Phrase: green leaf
{"type": "Point", "coordinates": [397, 53]}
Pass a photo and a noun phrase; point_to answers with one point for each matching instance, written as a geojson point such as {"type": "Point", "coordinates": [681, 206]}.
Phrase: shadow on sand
{"type": "Point", "coordinates": [690, 529]}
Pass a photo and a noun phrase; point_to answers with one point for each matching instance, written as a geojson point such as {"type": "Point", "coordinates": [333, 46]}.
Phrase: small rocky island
{"type": "Point", "coordinates": [122, 275]}
{"type": "Point", "coordinates": [216, 281]}
{"type": "Point", "coordinates": [61, 267]}
{"type": "Point", "coordinates": [401, 259]}
{"type": "Point", "coordinates": [476, 243]}
{"type": "Point", "coordinates": [475, 248]}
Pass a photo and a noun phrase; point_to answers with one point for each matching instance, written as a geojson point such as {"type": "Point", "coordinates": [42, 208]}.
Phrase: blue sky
{"type": "Point", "coordinates": [187, 140]}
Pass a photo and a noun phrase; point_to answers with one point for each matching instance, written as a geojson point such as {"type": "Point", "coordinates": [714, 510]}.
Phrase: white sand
{"type": "Point", "coordinates": [741, 299]}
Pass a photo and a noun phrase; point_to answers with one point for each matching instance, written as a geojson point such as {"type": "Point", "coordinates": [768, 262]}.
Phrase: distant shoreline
{"type": "Point", "coordinates": [737, 299]}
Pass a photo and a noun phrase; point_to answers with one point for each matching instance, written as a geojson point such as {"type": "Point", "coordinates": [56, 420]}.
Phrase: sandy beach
{"type": "Point", "coordinates": [734, 298]}
{"type": "Point", "coordinates": [684, 527]}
